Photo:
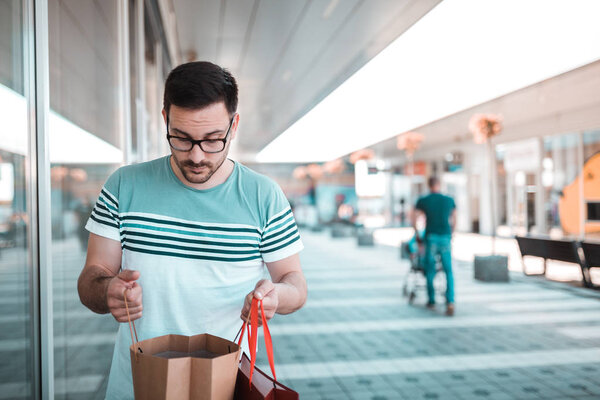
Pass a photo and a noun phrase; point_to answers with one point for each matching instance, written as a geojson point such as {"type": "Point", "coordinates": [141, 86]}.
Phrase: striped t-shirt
{"type": "Point", "coordinates": [199, 252]}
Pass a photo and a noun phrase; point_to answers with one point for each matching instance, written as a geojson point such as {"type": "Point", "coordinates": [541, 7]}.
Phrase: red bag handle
{"type": "Point", "coordinates": [253, 335]}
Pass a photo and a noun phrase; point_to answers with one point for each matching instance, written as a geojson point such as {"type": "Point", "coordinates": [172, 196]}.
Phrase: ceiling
{"type": "Point", "coordinates": [287, 55]}
{"type": "Point", "coordinates": [565, 103]}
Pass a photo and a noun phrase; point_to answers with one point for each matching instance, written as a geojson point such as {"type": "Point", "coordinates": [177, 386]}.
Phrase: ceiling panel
{"type": "Point", "coordinates": [562, 104]}
{"type": "Point", "coordinates": [198, 26]}
{"type": "Point", "coordinates": [310, 39]}
{"type": "Point", "coordinates": [236, 19]}
{"type": "Point", "coordinates": [275, 21]}
{"type": "Point", "coordinates": [287, 55]}
{"type": "Point", "coordinates": [348, 51]}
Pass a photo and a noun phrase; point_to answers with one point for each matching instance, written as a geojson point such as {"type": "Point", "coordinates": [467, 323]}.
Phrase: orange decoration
{"type": "Point", "coordinates": [569, 204]}
{"type": "Point", "coordinates": [485, 126]}
{"type": "Point", "coordinates": [299, 172]}
{"type": "Point", "coordinates": [409, 142]}
{"type": "Point", "coordinates": [334, 167]}
{"type": "Point", "coordinates": [58, 173]}
{"type": "Point", "coordinates": [314, 171]}
{"type": "Point", "coordinates": [78, 175]}
{"type": "Point", "coordinates": [364, 154]}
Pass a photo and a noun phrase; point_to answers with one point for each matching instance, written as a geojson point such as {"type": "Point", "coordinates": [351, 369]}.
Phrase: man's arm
{"type": "Point", "coordinates": [453, 219]}
{"type": "Point", "coordinates": [100, 284]}
{"type": "Point", "coordinates": [285, 293]}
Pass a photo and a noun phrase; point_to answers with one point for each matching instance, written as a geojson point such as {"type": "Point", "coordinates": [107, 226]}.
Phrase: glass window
{"type": "Point", "coordinates": [561, 167]}
{"type": "Point", "coordinates": [153, 90]}
{"type": "Point", "coordinates": [16, 368]}
{"type": "Point", "coordinates": [516, 189]}
{"type": "Point", "coordinates": [85, 147]}
{"type": "Point", "coordinates": [591, 183]}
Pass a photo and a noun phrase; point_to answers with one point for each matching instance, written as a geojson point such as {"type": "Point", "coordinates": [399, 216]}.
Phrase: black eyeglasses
{"type": "Point", "coordinates": [206, 145]}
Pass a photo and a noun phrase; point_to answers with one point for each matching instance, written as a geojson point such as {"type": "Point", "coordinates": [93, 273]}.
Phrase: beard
{"type": "Point", "coordinates": [190, 172]}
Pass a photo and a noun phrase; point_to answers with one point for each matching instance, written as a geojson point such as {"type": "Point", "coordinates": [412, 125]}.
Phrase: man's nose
{"type": "Point", "coordinates": [196, 154]}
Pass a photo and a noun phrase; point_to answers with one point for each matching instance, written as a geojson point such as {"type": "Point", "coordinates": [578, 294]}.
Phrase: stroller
{"type": "Point", "coordinates": [415, 279]}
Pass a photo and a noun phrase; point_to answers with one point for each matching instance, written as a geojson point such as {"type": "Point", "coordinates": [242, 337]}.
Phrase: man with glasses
{"type": "Point", "coordinates": [194, 229]}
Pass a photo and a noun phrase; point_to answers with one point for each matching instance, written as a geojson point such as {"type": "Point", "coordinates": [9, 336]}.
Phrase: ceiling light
{"type": "Point", "coordinates": [330, 8]}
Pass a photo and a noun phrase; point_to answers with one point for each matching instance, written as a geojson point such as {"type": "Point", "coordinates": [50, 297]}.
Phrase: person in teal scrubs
{"type": "Point", "coordinates": [439, 211]}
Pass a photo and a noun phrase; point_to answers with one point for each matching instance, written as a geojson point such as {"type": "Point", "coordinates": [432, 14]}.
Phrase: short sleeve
{"type": "Point", "coordinates": [104, 220]}
{"type": "Point", "coordinates": [452, 204]}
{"type": "Point", "coordinates": [419, 205]}
{"type": "Point", "coordinates": [280, 237]}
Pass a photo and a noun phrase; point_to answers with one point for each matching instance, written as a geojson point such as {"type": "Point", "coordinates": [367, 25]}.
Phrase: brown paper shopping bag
{"type": "Point", "coordinates": [176, 367]}
{"type": "Point", "coordinates": [252, 383]}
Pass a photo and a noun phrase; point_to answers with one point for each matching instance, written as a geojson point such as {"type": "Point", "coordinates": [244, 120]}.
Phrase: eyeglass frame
{"type": "Point", "coordinates": [199, 142]}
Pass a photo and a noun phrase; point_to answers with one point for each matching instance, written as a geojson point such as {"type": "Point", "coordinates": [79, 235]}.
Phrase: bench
{"type": "Point", "coordinates": [550, 249]}
{"type": "Point", "coordinates": [591, 253]}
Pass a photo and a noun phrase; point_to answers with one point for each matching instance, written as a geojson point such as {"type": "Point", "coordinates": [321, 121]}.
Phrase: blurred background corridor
{"type": "Point", "coordinates": [350, 106]}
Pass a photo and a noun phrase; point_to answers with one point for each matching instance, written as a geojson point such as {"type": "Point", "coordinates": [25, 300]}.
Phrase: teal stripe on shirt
{"type": "Point", "coordinates": [193, 256]}
{"type": "Point", "coordinates": [188, 248]}
{"type": "Point", "coordinates": [105, 209]}
{"type": "Point", "coordinates": [189, 225]}
{"type": "Point", "coordinates": [295, 231]}
{"type": "Point", "coordinates": [112, 199]}
{"type": "Point", "coordinates": [125, 233]}
{"type": "Point", "coordinates": [200, 234]}
{"type": "Point", "coordinates": [105, 215]}
{"type": "Point", "coordinates": [100, 221]}
{"type": "Point", "coordinates": [282, 246]}
{"type": "Point", "coordinates": [289, 211]}
{"type": "Point", "coordinates": [279, 224]}
{"type": "Point", "coordinates": [273, 235]}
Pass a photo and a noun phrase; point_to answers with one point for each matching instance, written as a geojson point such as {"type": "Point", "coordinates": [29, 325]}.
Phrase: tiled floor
{"type": "Point", "coordinates": [357, 337]}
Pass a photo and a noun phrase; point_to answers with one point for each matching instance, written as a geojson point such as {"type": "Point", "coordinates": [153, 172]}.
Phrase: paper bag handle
{"type": "Point", "coordinates": [131, 324]}
{"type": "Point", "coordinates": [253, 334]}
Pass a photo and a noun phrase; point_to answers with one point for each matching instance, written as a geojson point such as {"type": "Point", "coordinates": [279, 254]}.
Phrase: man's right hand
{"type": "Point", "coordinates": [125, 281]}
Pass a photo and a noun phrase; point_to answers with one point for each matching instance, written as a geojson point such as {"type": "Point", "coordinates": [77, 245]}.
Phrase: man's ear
{"type": "Point", "coordinates": [234, 128]}
{"type": "Point", "coordinates": [164, 114]}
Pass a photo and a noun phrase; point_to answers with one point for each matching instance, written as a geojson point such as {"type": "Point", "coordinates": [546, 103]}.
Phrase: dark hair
{"type": "Point", "coordinates": [433, 181]}
{"type": "Point", "coordinates": [199, 84]}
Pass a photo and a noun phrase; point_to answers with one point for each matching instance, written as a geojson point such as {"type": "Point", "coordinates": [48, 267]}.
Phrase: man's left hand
{"type": "Point", "coordinates": [265, 291]}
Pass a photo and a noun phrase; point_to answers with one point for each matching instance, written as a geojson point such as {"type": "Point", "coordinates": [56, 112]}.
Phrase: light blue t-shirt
{"type": "Point", "coordinates": [199, 252]}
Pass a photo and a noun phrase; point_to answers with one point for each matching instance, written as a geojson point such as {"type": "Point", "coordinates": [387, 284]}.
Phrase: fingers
{"type": "Point", "coordinates": [123, 318]}
{"type": "Point", "coordinates": [265, 291]}
{"type": "Point", "coordinates": [124, 286]}
{"type": "Point", "coordinates": [246, 308]}
{"type": "Point", "coordinates": [129, 275]}
{"type": "Point", "coordinates": [263, 288]}
{"type": "Point", "coordinates": [134, 295]}
{"type": "Point", "coordinates": [121, 313]}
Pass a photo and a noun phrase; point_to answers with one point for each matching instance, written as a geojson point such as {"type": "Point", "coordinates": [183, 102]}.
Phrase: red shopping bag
{"type": "Point", "coordinates": [252, 383]}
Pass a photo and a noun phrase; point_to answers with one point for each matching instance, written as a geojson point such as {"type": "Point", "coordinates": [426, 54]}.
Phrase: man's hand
{"type": "Point", "coordinates": [265, 291]}
{"type": "Point", "coordinates": [125, 282]}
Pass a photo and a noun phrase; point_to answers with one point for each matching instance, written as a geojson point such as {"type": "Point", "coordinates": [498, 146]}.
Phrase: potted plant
{"type": "Point", "coordinates": [409, 142]}
{"type": "Point", "coordinates": [494, 267]}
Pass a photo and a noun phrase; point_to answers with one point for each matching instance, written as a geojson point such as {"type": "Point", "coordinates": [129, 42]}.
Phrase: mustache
{"type": "Point", "coordinates": [191, 164]}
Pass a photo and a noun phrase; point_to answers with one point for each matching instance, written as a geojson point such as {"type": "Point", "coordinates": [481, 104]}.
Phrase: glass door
{"type": "Point", "coordinates": [522, 201]}
{"type": "Point", "coordinates": [16, 305]}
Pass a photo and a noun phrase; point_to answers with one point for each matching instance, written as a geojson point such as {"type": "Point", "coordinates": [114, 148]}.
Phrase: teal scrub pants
{"type": "Point", "coordinates": [438, 245]}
